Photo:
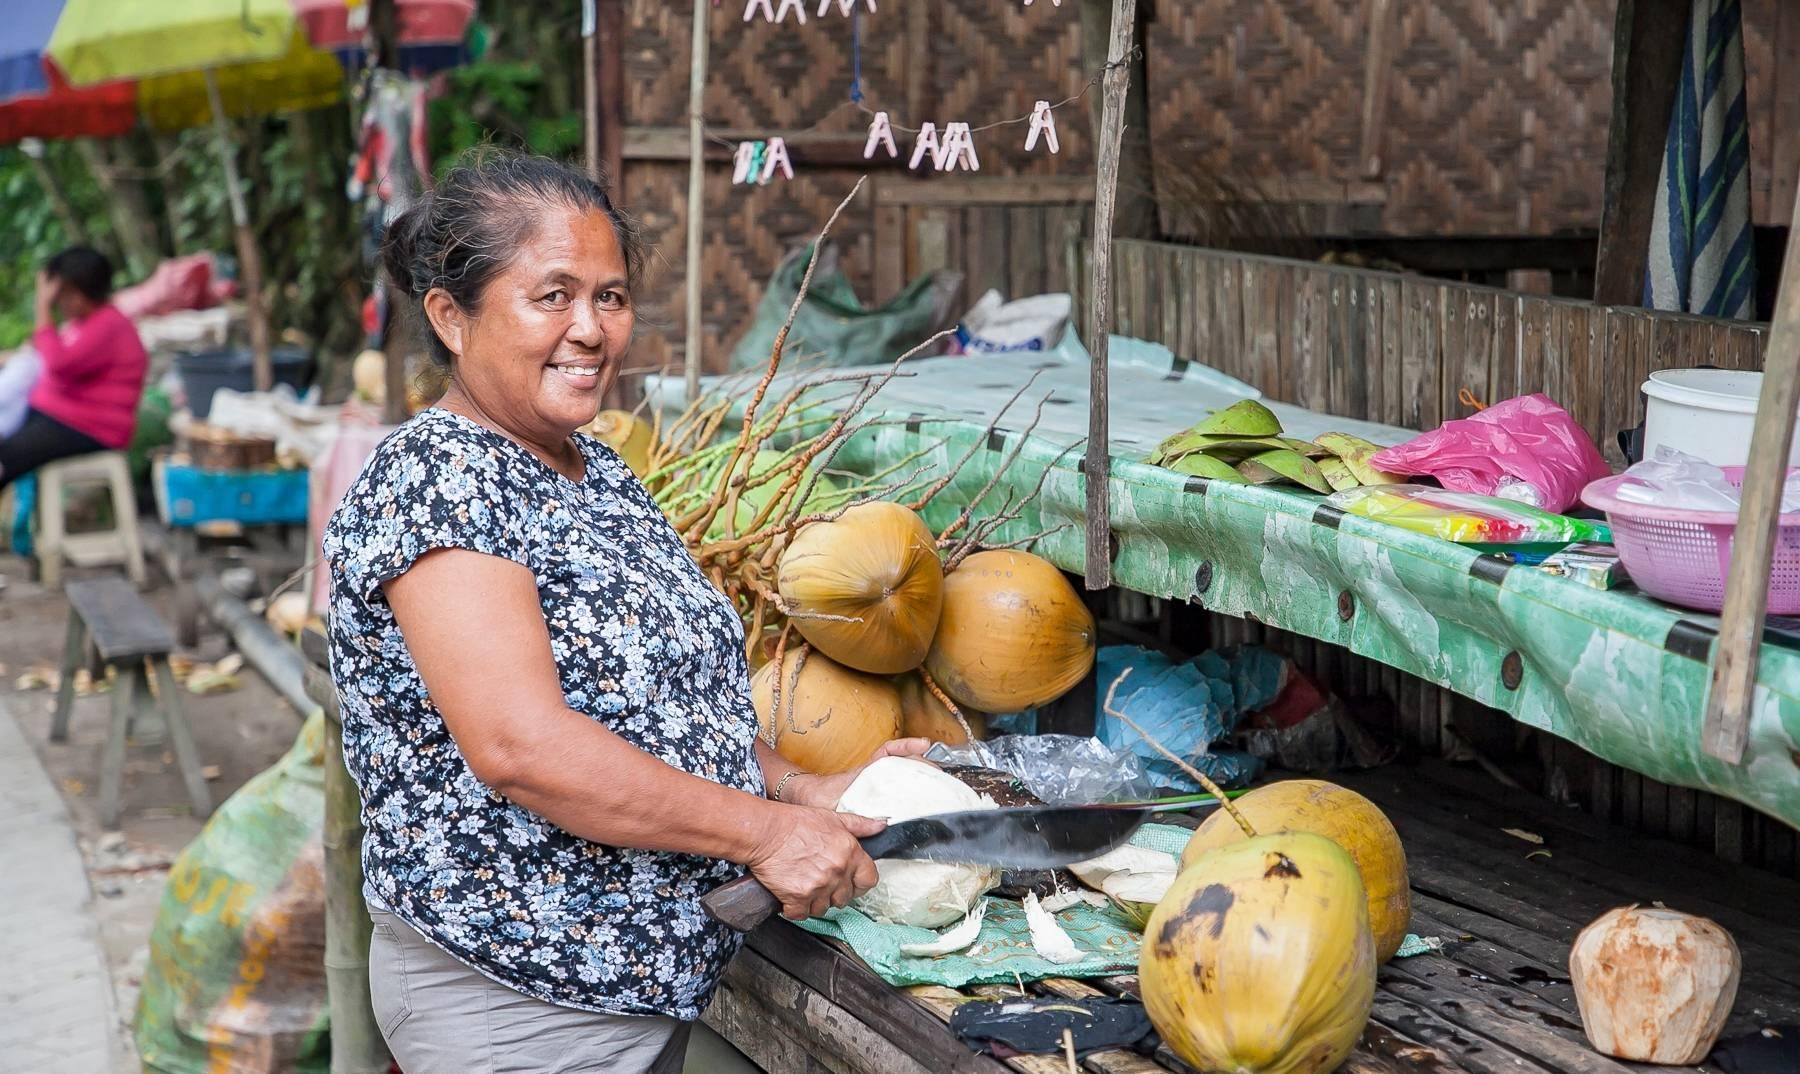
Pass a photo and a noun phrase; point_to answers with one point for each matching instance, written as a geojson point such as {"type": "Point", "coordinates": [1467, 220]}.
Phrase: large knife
{"type": "Point", "coordinates": [1021, 837]}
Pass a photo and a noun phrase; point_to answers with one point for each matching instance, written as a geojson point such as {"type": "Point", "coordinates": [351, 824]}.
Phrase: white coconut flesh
{"type": "Point", "coordinates": [1117, 864]}
{"type": "Point", "coordinates": [1047, 937]}
{"type": "Point", "coordinates": [952, 941]}
{"type": "Point", "coordinates": [921, 893]}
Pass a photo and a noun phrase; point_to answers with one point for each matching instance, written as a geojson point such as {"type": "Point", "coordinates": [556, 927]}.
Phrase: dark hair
{"type": "Point", "coordinates": [85, 269]}
{"type": "Point", "coordinates": [464, 233]}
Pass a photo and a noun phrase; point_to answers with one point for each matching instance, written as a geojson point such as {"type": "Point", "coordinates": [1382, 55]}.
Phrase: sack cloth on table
{"type": "Point", "coordinates": [1003, 949]}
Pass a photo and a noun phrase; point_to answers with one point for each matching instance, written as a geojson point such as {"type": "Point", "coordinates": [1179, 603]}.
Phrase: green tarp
{"type": "Point", "coordinates": [1618, 674]}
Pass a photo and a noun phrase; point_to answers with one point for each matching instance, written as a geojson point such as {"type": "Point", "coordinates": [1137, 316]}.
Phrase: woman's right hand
{"type": "Point", "coordinates": [811, 861]}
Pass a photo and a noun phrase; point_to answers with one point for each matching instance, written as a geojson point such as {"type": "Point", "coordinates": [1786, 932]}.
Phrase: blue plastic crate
{"type": "Point", "coordinates": [187, 496]}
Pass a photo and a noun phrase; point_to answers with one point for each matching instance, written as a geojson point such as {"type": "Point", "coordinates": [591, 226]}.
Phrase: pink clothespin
{"type": "Point", "coordinates": [746, 153]}
{"type": "Point", "coordinates": [767, 9]}
{"type": "Point", "coordinates": [797, 6]}
{"type": "Point", "coordinates": [1043, 122]}
{"type": "Point", "coordinates": [959, 148]}
{"type": "Point", "coordinates": [881, 132]}
{"type": "Point", "coordinates": [1058, 3]}
{"type": "Point", "coordinates": [775, 12]}
{"type": "Point", "coordinates": [845, 7]}
{"type": "Point", "coordinates": [776, 156]}
{"type": "Point", "coordinates": [926, 141]}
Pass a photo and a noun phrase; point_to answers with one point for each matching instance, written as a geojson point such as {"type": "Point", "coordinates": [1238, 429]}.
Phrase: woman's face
{"type": "Point", "coordinates": [551, 332]}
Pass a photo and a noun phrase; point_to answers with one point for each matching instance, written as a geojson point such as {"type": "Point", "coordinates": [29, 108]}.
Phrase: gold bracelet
{"type": "Point", "coordinates": [781, 783]}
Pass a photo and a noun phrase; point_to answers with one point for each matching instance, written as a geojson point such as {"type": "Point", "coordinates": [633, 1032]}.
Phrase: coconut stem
{"type": "Point", "coordinates": [944, 699]}
{"type": "Point", "coordinates": [1212, 787]}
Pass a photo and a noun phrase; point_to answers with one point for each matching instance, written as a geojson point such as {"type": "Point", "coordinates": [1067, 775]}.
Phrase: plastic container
{"type": "Point", "coordinates": [205, 372]}
{"type": "Point", "coordinates": [1707, 413]}
{"type": "Point", "coordinates": [1684, 556]}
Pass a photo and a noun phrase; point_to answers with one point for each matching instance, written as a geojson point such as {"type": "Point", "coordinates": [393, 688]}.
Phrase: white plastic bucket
{"type": "Point", "coordinates": [1707, 413]}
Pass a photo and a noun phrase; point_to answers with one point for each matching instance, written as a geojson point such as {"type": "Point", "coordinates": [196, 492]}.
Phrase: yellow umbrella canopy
{"type": "Point", "coordinates": [256, 49]}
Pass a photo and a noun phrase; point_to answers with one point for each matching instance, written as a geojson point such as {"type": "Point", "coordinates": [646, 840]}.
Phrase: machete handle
{"type": "Point", "coordinates": [741, 904]}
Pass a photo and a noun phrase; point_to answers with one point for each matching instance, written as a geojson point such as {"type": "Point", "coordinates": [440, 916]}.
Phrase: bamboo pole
{"type": "Point", "coordinates": [1727, 728]}
{"type": "Point", "coordinates": [1117, 84]}
{"type": "Point", "coordinates": [356, 1043]}
{"type": "Point", "coordinates": [249, 257]}
{"type": "Point", "coordinates": [590, 87]}
{"type": "Point", "coordinates": [696, 202]}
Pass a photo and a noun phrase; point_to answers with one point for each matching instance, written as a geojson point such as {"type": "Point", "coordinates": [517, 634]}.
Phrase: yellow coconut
{"type": "Point", "coordinates": [874, 571]}
{"type": "Point", "coordinates": [1014, 633]}
{"type": "Point", "coordinates": [1259, 959]}
{"type": "Point", "coordinates": [922, 715]}
{"type": "Point", "coordinates": [832, 718]}
{"type": "Point", "coordinates": [1347, 819]}
{"type": "Point", "coordinates": [625, 433]}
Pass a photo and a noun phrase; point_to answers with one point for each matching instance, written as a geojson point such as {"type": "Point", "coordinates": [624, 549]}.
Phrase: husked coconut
{"type": "Point", "coordinates": [1654, 985]}
{"type": "Point", "coordinates": [928, 894]}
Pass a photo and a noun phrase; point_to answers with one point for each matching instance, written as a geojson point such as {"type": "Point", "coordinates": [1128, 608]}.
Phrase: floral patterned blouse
{"type": "Point", "coordinates": [644, 644]}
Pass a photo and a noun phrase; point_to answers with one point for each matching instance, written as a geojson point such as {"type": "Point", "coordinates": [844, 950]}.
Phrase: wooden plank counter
{"type": "Point", "coordinates": [1495, 1000]}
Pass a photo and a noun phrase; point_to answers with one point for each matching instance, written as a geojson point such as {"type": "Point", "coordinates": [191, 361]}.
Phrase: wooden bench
{"type": "Point", "coordinates": [126, 634]}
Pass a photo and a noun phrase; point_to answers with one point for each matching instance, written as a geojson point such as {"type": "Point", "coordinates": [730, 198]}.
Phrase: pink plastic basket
{"type": "Point", "coordinates": [1683, 557]}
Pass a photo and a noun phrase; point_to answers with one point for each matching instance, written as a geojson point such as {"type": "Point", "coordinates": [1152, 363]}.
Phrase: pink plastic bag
{"type": "Point", "coordinates": [1526, 449]}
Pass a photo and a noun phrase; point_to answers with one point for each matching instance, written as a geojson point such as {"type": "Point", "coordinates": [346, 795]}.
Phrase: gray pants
{"type": "Point", "coordinates": [441, 1017]}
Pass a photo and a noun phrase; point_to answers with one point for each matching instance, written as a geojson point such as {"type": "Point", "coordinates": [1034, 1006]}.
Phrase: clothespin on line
{"type": "Point", "coordinates": [775, 12]}
{"type": "Point", "coordinates": [927, 142]}
{"type": "Point", "coordinates": [881, 132]}
{"type": "Point", "coordinates": [845, 7]}
{"type": "Point", "coordinates": [1043, 121]}
{"type": "Point", "coordinates": [959, 149]}
{"type": "Point", "coordinates": [775, 157]}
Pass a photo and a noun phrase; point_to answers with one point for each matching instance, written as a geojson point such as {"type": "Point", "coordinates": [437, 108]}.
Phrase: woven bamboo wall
{"type": "Point", "coordinates": [980, 62]}
{"type": "Point", "coordinates": [1492, 121]}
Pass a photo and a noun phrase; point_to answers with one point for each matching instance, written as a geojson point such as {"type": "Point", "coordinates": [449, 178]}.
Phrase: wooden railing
{"type": "Point", "coordinates": [1400, 348]}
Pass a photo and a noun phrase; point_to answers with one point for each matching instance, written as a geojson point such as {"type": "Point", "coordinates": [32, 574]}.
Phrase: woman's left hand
{"type": "Point", "coordinates": [824, 791]}
{"type": "Point", "coordinates": [47, 288]}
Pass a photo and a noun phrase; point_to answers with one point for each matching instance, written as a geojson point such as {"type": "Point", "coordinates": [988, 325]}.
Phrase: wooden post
{"type": "Point", "coordinates": [1727, 726]}
{"type": "Point", "coordinates": [249, 257]}
{"type": "Point", "coordinates": [1134, 213]}
{"type": "Point", "coordinates": [603, 64]}
{"type": "Point", "coordinates": [696, 202]}
{"type": "Point", "coordinates": [1117, 85]}
{"type": "Point", "coordinates": [1648, 38]}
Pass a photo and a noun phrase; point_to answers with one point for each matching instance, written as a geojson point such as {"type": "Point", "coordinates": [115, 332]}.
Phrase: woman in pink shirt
{"type": "Point", "coordinates": [86, 396]}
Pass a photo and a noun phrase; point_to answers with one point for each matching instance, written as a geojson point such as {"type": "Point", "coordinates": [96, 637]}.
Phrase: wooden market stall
{"type": "Point", "coordinates": [1494, 995]}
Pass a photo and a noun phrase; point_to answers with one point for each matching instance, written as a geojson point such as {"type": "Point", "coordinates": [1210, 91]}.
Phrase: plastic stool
{"type": "Point", "coordinates": [119, 546]}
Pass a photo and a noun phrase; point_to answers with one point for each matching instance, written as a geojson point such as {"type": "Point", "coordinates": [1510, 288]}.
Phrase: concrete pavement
{"type": "Point", "coordinates": [57, 1014]}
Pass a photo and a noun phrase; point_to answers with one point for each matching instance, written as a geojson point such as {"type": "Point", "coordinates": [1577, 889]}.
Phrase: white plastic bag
{"type": "Point", "coordinates": [994, 325]}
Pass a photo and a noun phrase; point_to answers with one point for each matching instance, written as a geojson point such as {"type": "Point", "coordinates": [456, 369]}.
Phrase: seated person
{"type": "Point", "coordinates": [92, 374]}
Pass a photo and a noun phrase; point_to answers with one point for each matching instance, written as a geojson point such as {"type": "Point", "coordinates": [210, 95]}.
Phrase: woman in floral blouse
{"type": "Point", "coordinates": [546, 704]}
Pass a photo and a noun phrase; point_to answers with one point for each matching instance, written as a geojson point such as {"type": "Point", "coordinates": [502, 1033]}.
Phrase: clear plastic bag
{"type": "Point", "coordinates": [1466, 518]}
{"type": "Point", "coordinates": [1526, 449]}
{"type": "Point", "coordinates": [1677, 480]}
{"type": "Point", "coordinates": [1059, 769]}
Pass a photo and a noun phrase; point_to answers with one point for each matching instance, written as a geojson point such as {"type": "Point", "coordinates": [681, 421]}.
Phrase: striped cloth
{"type": "Point", "coordinates": [1701, 256]}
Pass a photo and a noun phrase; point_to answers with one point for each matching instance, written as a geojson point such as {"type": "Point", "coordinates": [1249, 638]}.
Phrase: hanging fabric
{"type": "Point", "coordinates": [1702, 259]}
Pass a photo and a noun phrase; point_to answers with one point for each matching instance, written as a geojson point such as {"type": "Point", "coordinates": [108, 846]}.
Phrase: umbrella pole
{"type": "Point", "coordinates": [249, 258]}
